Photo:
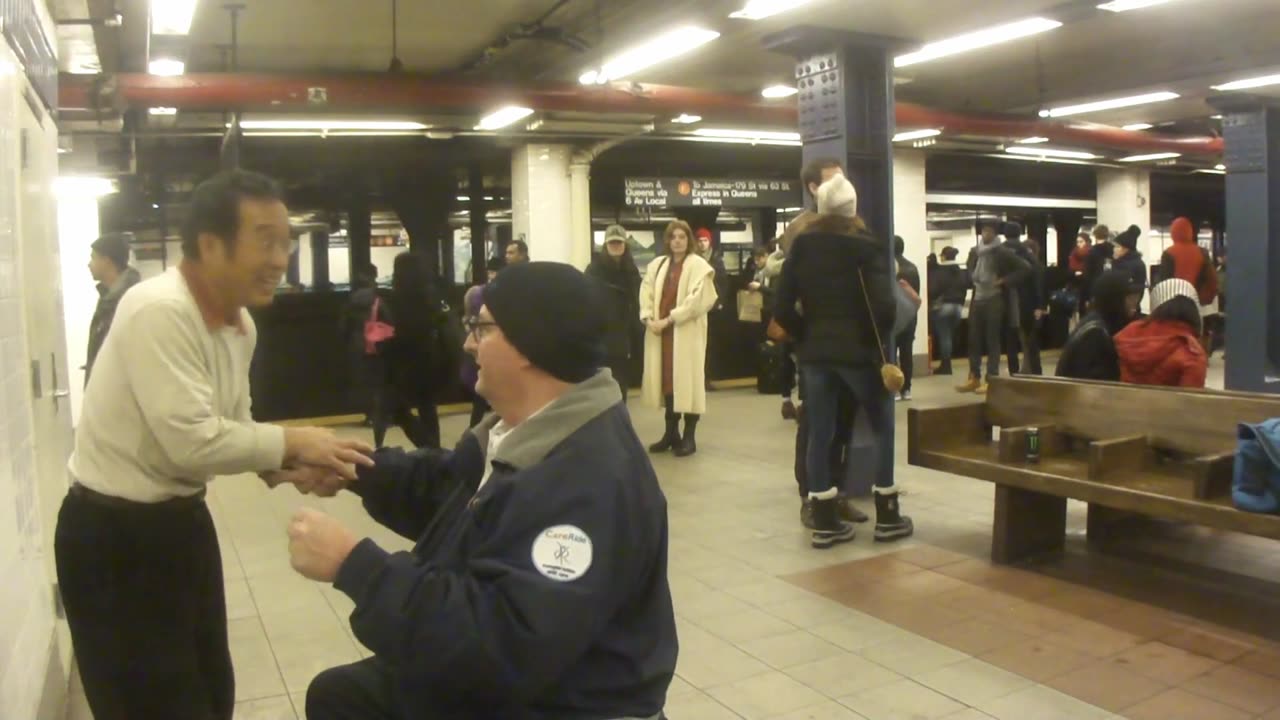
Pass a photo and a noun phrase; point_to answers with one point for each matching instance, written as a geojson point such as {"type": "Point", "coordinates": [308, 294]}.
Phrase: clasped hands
{"type": "Point", "coordinates": [656, 326]}
{"type": "Point", "coordinates": [319, 462]}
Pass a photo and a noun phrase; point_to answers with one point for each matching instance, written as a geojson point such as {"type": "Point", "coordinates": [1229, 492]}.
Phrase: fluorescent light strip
{"type": "Point", "coordinates": [1136, 127]}
{"type": "Point", "coordinates": [1219, 166]}
{"type": "Point", "coordinates": [740, 141]}
{"type": "Point", "coordinates": [1008, 201]}
{"type": "Point", "coordinates": [916, 135]}
{"type": "Point", "coordinates": [172, 17]}
{"type": "Point", "coordinates": [668, 45]}
{"type": "Point", "coordinates": [975, 40]}
{"type": "Point", "coordinates": [686, 119]}
{"type": "Point", "coordinates": [1211, 172]}
{"type": "Point", "coordinates": [166, 67]}
{"type": "Point", "coordinates": [1033, 140]}
{"type": "Point", "coordinates": [504, 117]}
{"type": "Point", "coordinates": [761, 9]}
{"type": "Point", "coordinates": [1249, 83]}
{"type": "Point", "coordinates": [773, 92]}
{"type": "Point", "coordinates": [330, 124]}
{"type": "Point", "coordinates": [1040, 159]}
{"type": "Point", "coordinates": [1120, 6]}
{"type": "Point", "coordinates": [1152, 156]}
{"type": "Point", "coordinates": [162, 111]}
{"type": "Point", "coordinates": [748, 134]}
{"type": "Point", "coordinates": [1111, 104]}
{"type": "Point", "coordinates": [1051, 152]}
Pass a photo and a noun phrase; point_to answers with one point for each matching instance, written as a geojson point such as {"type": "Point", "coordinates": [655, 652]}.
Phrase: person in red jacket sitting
{"type": "Point", "coordinates": [1165, 349]}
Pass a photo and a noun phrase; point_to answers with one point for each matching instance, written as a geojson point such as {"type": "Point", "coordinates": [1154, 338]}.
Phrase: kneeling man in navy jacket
{"type": "Point", "coordinates": [538, 585]}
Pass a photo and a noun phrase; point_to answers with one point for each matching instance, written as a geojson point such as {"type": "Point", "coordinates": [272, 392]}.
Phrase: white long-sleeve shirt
{"type": "Point", "coordinates": [167, 407]}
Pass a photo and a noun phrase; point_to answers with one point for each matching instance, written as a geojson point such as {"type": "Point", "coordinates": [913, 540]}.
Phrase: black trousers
{"type": "Point", "coordinates": [363, 690]}
{"type": "Point", "coordinates": [394, 406]}
{"type": "Point", "coordinates": [142, 586]}
{"type": "Point", "coordinates": [618, 366]}
{"type": "Point", "coordinates": [905, 343]}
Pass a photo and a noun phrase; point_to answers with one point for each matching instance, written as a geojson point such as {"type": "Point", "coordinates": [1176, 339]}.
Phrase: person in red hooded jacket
{"type": "Point", "coordinates": [1188, 261]}
{"type": "Point", "coordinates": [1165, 349]}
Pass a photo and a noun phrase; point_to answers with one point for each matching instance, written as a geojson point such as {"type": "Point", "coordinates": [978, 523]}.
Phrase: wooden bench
{"type": "Point", "coordinates": [1124, 449]}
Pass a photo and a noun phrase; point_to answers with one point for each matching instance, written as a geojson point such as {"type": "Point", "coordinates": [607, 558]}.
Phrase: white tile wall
{"type": "Point", "coordinates": [26, 612]}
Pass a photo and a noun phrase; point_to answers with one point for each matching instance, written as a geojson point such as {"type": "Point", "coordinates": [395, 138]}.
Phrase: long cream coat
{"type": "Point", "coordinates": [694, 299]}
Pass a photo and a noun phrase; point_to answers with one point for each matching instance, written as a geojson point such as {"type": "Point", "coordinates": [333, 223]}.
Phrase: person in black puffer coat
{"type": "Point", "coordinates": [1090, 352]}
{"type": "Point", "coordinates": [948, 287]}
{"type": "Point", "coordinates": [615, 269]}
{"type": "Point", "coordinates": [1127, 257]}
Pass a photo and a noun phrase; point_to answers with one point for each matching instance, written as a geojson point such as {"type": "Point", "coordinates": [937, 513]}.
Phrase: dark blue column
{"type": "Point", "coordinates": [845, 103]}
{"type": "Point", "coordinates": [1251, 128]}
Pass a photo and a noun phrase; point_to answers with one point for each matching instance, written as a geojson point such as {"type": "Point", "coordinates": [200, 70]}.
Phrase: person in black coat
{"type": "Point", "coordinates": [948, 288]}
{"type": "Point", "coordinates": [1127, 257]}
{"type": "Point", "coordinates": [906, 339]}
{"type": "Point", "coordinates": [414, 361]}
{"type": "Point", "coordinates": [616, 270]}
{"type": "Point", "coordinates": [1090, 352]}
{"type": "Point", "coordinates": [839, 273]}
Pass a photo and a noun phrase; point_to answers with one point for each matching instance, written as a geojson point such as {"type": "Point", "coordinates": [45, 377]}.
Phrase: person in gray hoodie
{"type": "Point", "coordinates": [993, 267]}
{"type": "Point", "coordinates": [109, 265]}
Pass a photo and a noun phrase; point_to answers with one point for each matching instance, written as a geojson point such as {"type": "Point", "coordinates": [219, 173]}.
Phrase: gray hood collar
{"type": "Point", "coordinates": [535, 438]}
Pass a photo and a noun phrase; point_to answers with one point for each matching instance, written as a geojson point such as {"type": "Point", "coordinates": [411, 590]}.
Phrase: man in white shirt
{"type": "Point", "coordinates": [166, 409]}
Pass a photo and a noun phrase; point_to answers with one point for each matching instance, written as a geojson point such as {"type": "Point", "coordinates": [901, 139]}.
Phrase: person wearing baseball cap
{"type": "Point", "coordinates": [109, 266]}
{"type": "Point", "coordinates": [538, 584]}
{"type": "Point", "coordinates": [619, 277]}
{"type": "Point", "coordinates": [1165, 349]}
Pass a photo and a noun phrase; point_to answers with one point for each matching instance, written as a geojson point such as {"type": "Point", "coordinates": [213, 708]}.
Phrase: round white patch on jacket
{"type": "Point", "coordinates": [562, 553]}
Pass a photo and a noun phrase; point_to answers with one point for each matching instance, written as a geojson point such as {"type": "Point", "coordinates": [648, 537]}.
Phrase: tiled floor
{"type": "Point", "coordinates": [770, 628]}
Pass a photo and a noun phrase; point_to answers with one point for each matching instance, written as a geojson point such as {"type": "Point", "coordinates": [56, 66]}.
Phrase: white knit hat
{"type": "Point", "coordinates": [1169, 289]}
{"type": "Point", "coordinates": [837, 196]}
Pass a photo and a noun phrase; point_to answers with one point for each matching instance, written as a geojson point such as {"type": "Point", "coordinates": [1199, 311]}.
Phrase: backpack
{"type": "Point", "coordinates": [376, 331]}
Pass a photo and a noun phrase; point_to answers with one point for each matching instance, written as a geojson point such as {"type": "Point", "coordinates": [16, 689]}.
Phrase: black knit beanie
{"type": "Point", "coordinates": [1129, 238]}
{"type": "Point", "coordinates": [553, 314]}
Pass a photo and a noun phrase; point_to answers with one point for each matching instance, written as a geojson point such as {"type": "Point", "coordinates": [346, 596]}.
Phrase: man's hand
{"type": "Point", "coordinates": [323, 449]}
{"type": "Point", "coordinates": [318, 544]}
{"type": "Point", "coordinates": [310, 479]}
{"type": "Point", "coordinates": [753, 285]}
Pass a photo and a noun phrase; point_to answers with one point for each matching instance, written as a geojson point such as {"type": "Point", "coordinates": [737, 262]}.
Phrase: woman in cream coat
{"type": "Point", "coordinates": [677, 293]}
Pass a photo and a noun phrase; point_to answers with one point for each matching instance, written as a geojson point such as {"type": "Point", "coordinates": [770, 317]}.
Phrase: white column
{"type": "Point", "coordinates": [580, 212]}
{"type": "Point", "coordinates": [909, 222]}
{"type": "Point", "coordinates": [1124, 199]}
{"type": "Point", "coordinates": [542, 207]}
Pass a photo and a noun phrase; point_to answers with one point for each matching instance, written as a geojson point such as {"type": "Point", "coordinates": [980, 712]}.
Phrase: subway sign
{"type": "Point", "coordinates": [705, 192]}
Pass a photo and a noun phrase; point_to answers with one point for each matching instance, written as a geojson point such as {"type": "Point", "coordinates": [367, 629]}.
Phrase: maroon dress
{"type": "Point", "coordinates": [670, 291]}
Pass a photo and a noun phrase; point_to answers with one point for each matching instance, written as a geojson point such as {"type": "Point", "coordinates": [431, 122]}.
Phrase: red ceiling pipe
{"type": "Point", "coordinates": [408, 92]}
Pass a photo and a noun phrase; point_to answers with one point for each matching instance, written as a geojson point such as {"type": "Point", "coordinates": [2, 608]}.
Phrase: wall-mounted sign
{"type": "Point", "coordinates": [704, 192]}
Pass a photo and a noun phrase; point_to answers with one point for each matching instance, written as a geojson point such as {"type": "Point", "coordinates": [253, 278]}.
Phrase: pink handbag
{"type": "Point", "coordinates": [376, 331]}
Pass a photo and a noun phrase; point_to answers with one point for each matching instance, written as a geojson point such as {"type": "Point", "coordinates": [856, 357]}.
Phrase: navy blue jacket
{"type": "Point", "coordinates": [542, 595]}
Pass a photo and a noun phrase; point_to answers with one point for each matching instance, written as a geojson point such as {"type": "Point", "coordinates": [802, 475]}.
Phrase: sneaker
{"type": "Point", "coordinates": [971, 386]}
{"type": "Point", "coordinates": [905, 396]}
{"type": "Point", "coordinates": [788, 410]}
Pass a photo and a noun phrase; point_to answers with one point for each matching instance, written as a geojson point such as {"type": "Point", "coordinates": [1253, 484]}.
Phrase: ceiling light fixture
{"type": "Point", "coordinates": [167, 67]}
{"type": "Point", "coordinates": [1111, 104]}
{"type": "Point", "coordinates": [1211, 172]}
{"type": "Point", "coordinates": [1249, 83]}
{"type": "Point", "coordinates": [1051, 152]}
{"type": "Point", "coordinates": [761, 9]}
{"type": "Point", "coordinates": [975, 40]}
{"type": "Point", "coordinates": [773, 92]}
{"type": "Point", "coordinates": [1120, 6]}
{"type": "Point", "coordinates": [668, 45]}
{"type": "Point", "coordinates": [172, 17]}
{"type": "Point", "coordinates": [686, 119]}
{"type": "Point", "coordinates": [1135, 127]}
{"type": "Point", "coordinates": [1033, 140]}
{"type": "Point", "coordinates": [1152, 156]}
{"type": "Point", "coordinates": [1039, 159]}
{"type": "Point", "coordinates": [162, 111]}
{"type": "Point", "coordinates": [916, 135]}
{"type": "Point", "coordinates": [748, 134]}
{"type": "Point", "coordinates": [331, 125]}
{"type": "Point", "coordinates": [1219, 166]}
{"type": "Point", "coordinates": [504, 117]}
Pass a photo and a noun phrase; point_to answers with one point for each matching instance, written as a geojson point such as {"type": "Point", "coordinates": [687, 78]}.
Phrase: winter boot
{"type": "Point", "coordinates": [806, 512]}
{"type": "Point", "coordinates": [689, 444]}
{"type": "Point", "coordinates": [944, 368]}
{"type": "Point", "coordinates": [891, 524]}
{"type": "Point", "coordinates": [971, 385]}
{"type": "Point", "coordinates": [672, 436]}
{"type": "Point", "coordinates": [828, 528]}
{"type": "Point", "coordinates": [849, 512]}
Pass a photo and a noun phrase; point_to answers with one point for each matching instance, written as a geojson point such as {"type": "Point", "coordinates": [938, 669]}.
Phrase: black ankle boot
{"type": "Point", "coordinates": [891, 524]}
{"type": "Point", "coordinates": [671, 438]}
{"type": "Point", "coordinates": [944, 368]}
{"type": "Point", "coordinates": [689, 443]}
{"type": "Point", "coordinates": [828, 528]}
